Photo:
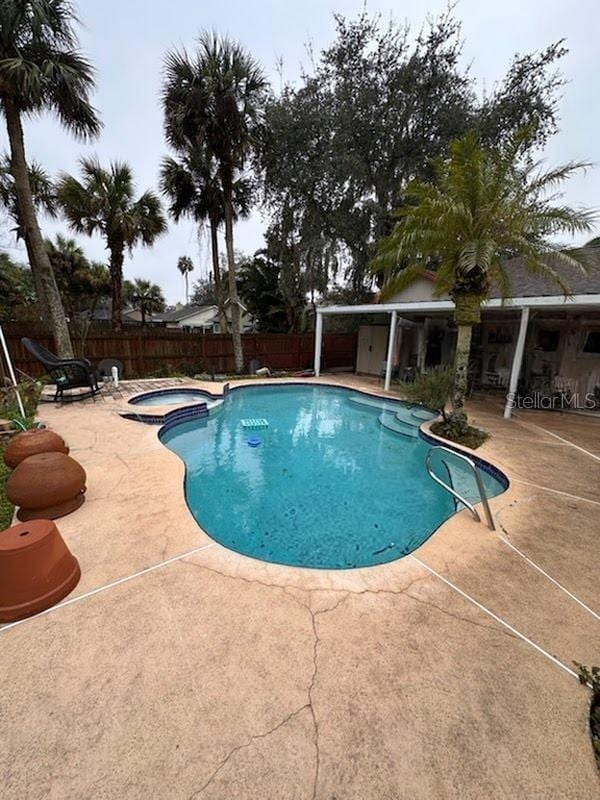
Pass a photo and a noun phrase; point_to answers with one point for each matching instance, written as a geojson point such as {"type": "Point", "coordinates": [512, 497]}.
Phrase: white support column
{"type": "Point", "coordinates": [517, 361]}
{"type": "Point", "coordinates": [11, 370]}
{"type": "Point", "coordinates": [390, 351]}
{"type": "Point", "coordinates": [318, 342]}
{"type": "Point", "coordinates": [421, 337]}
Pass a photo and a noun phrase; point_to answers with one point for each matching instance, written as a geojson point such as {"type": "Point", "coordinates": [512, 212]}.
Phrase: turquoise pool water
{"type": "Point", "coordinates": [327, 487]}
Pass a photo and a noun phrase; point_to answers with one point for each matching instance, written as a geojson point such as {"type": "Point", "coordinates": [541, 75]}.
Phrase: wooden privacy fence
{"type": "Point", "coordinates": [145, 352]}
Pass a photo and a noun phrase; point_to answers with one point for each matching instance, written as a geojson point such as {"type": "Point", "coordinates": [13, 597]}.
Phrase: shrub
{"type": "Point", "coordinates": [30, 392]}
{"type": "Point", "coordinates": [434, 389]}
{"type": "Point", "coordinates": [431, 389]}
{"type": "Point", "coordinates": [177, 369]}
{"type": "Point", "coordinates": [590, 676]}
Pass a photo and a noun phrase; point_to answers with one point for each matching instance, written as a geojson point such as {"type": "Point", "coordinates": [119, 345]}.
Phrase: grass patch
{"type": "Point", "coordinates": [6, 507]}
{"type": "Point", "coordinates": [469, 437]}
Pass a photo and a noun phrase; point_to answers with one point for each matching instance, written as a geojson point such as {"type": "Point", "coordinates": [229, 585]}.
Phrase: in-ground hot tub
{"type": "Point", "coordinates": [172, 397]}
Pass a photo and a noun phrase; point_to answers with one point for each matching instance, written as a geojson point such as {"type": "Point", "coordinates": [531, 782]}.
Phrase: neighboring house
{"type": "Point", "coordinates": [538, 341]}
{"type": "Point", "coordinates": [104, 315]}
{"type": "Point", "coordinates": [201, 318]}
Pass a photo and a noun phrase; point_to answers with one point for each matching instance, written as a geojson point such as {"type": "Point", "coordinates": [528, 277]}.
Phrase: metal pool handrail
{"type": "Point", "coordinates": [453, 492]}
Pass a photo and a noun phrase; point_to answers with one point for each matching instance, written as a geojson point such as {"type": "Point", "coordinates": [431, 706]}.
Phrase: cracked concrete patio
{"type": "Point", "coordinates": [217, 676]}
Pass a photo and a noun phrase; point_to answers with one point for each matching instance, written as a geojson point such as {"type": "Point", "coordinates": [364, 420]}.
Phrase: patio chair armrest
{"type": "Point", "coordinates": [62, 362]}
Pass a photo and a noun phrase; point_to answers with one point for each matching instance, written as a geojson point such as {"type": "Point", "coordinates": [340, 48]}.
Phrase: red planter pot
{"type": "Point", "coordinates": [30, 443]}
{"type": "Point", "coordinates": [37, 569]}
{"type": "Point", "coordinates": [46, 486]}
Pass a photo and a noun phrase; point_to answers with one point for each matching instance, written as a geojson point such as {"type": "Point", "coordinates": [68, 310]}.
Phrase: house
{"type": "Point", "coordinates": [103, 315]}
{"type": "Point", "coordinates": [201, 318]}
{"type": "Point", "coordinates": [538, 344]}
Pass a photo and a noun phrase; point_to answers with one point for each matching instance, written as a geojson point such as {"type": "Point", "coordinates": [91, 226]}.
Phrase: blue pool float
{"type": "Point", "coordinates": [254, 441]}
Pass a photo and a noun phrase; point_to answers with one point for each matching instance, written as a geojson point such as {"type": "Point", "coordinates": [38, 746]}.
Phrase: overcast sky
{"type": "Point", "coordinates": [126, 41]}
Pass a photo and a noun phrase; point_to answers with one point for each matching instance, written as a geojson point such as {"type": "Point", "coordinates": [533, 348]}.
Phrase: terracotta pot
{"type": "Point", "coordinates": [47, 485]}
{"type": "Point", "coordinates": [37, 569]}
{"type": "Point", "coordinates": [30, 443]}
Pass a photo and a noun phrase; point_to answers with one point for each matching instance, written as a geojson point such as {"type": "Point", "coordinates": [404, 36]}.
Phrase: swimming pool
{"type": "Point", "coordinates": [329, 485]}
{"type": "Point", "coordinates": [171, 397]}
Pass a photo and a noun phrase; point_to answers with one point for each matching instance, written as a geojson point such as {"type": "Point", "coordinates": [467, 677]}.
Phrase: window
{"type": "Point", "coordinates": [548, 341]}
{"type": "Point", "coordinates": [592, 343]}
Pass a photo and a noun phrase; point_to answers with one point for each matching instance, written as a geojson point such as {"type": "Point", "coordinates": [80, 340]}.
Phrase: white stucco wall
{"type": "Point", "coordinates": [420, 290]}
{"type": "Point", "coordinates": [209, 317]}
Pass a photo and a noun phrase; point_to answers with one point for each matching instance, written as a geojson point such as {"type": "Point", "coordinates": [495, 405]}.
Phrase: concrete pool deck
{"type": "Point", "coordinates": [185, 670]}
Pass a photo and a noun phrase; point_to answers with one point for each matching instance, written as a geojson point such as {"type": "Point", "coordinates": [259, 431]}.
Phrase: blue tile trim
{"type": "Point", "coordinates": [169, 422]}
{"type": "Point", "coordinates": [180, 415]}
{"type": "Point", "coordinates": [171, 417]}
{"type": "Point", "coordinates": [183, 415]}
{"type": "Point", "coordinates": [485, 466]}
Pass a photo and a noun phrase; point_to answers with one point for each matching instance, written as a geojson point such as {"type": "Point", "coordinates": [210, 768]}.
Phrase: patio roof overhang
{"type": "Point", "coordinates": [432, 306]}
{"type": "Point", "coordinates": [420, 307]}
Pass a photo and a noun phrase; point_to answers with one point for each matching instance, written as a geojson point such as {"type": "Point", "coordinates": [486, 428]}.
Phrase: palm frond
{"type": "Point", "coordinates": [41, 68]}
{"type": "Point", "coordinates": [485, 204]}
{"type": "Point", "coordinates": [398, 282]}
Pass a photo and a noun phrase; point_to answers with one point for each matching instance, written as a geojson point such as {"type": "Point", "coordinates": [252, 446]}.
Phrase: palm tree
{"type": "Point", "coordinates": [41, 70]}
{"type": "Point", "coordinates": [16, 287]}
{"type": "Point", "coordinates": [193, 187]}
{"type": "Point", "coordinates": [485, 207]}
{"type": "Point", "coordinates": [68, 260]}
{"type": "Point", "coordinates": [146, 296]}
{"type": "Point", "coordinates": [82, 284]}
{"type": "Point", "coordinates": [213, 102]}
{"type": "Point", "coordinates": [103, 202]}
{"type": "Point", "coordinates": [185, 265]}
{"type": "Point", "coordinates": [43, 195]}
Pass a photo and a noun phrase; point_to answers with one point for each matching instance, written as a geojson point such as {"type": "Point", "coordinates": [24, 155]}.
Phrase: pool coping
{"type": "Point", "coordinates": [180, 412]}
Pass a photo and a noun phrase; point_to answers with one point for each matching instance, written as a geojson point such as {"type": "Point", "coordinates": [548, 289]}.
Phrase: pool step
{"type": "Point", "coordinates": [374, 402]}
{"type": "Point", "coordinates": [390, 421]}
{"type": "Point", "coordinates": [415, 416]}
{"type": "Point", "coordinates": [423, 414]}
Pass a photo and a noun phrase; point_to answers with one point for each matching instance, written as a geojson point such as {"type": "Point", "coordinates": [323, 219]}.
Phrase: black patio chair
{"type": "Point", "coordinates": [66, 373]}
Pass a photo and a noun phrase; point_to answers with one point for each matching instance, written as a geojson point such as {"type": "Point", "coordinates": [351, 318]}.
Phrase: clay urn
{"type": "Point", "coordinates": [29, 443]}
{"type": "Point", "coordinates": [37, 569]}
{"type": "Point", "coordinates": [46, 486]}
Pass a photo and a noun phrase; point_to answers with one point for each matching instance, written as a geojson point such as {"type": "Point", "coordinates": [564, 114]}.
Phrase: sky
{"type": "Point", "coordinates": [126, 41]}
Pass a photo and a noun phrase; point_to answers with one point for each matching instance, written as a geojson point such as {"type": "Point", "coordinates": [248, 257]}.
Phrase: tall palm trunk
{"type": "Point", "coordinates": [214, 245]}
{"type": "Point", "coordinates": [44, 312]}
{"type": "Point", "coordinates": [467, 313]}
{"type": "Point", "coordinates": [234, 302]}
{"type": "Point", "coordinates": [45, 282]}
{"type": "Point", "coordinates": [461, 366]}
{"type": "Point", "coordinates": [116, 285]}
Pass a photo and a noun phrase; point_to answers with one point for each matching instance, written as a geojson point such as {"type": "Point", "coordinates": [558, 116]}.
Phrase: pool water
{"type": "Point", "coordinates": [172, 398]}
{"type": "Point", "coordinates": [327, 487]}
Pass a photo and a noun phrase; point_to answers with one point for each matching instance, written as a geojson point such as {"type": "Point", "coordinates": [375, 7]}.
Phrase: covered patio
{"type": "Point", "coordinates": [539, 345]}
